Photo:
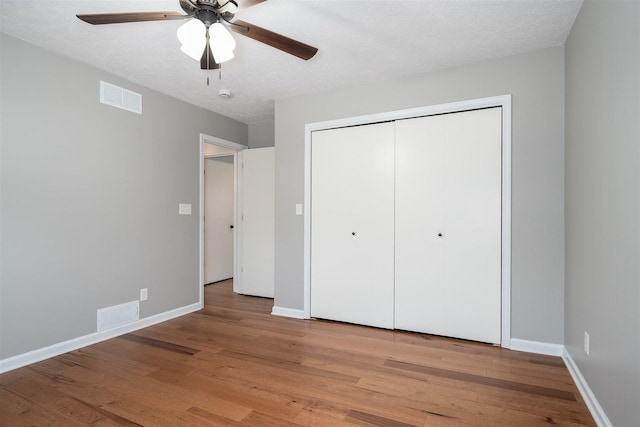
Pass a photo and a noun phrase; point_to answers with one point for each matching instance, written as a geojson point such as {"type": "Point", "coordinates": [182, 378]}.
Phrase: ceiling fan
{"type": "Point", "coordinates": [211, 17]}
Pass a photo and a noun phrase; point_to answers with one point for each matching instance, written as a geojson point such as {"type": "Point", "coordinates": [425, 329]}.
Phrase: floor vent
{"type": "Point", "coordinates": [120, 98]}
{"type": "Point", "coordinates": [117, 315]}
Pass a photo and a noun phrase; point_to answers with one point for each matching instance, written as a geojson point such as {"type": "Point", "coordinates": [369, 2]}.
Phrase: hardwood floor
{"type": "Point", "coordinates": [234, 364]}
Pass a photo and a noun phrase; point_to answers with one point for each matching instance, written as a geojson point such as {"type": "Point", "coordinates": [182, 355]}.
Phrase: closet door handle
{"type": "Point", "coordinates": [439, 234]}
{"type": "Point", "coordinates": [353, 233]}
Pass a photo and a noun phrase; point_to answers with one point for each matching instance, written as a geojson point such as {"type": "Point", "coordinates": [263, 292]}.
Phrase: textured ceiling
{"type": "Point", "coordinates": [359, 41]}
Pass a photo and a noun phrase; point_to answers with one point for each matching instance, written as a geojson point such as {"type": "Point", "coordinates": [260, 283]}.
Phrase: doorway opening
{"type": "Point", "coordinates": [218, 216]}
{"type": "Point", "coordinates": [219, 225]}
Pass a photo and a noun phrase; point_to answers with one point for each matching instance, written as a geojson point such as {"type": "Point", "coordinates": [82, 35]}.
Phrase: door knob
{"type": "Point", "coordinates": [353, 233]}
{"type": "Point", "coordinates": [439, 234]}
{"type": "Point", "coordinates": [231, 226]}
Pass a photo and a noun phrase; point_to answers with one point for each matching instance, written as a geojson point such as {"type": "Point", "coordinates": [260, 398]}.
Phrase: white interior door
{"type": "Point", "coordinates": [451, 231]}
{"type": "Point", "coordinates": [258, 222]}
{"type": "Point", "coordinates": [218, 234]}
{"type": "Point", "coordinates": [352, 215]}
{"type": "Point", "coordinates": [420, 184]}
{"type": "Point", "coordinates": [473, 206]}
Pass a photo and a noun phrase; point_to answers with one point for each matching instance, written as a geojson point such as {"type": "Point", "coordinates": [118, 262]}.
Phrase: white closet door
{"type": "Point", "coordinates": [352, 231]}
{"type": "Point", "coordinates": [258, 222]}
{"type": "Point", "coordinates": [467, 211]}
{"type": "Point", "coordinates": [420, 180]}
{"type": "Point", "coordinates": [473, 207]}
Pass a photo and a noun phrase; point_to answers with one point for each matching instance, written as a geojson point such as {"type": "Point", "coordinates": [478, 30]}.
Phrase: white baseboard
{"type": "Point", "coordinates": [287, 312]}
{"type": "Point", "coordinates": [536, 347]}
{"type": "Point", "coordinates": [598, 414]}
{"type": "Point", "coordinates": [34, 356]}
{"type": "Point", "coordinates": [596, 410]}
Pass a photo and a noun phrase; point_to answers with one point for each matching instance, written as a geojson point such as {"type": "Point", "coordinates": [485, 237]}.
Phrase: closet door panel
{"type": "Point", "coordinates": [473, 224]}
{"type": "Point", "coordinates": [419, 255]}
{"type": "Point", "coordinates": [448, 182]}
{"type": "Point", "coordinates": [352, 223]}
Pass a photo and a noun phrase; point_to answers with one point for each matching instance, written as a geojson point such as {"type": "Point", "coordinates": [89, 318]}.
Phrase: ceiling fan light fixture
{"type": "Point", "coordinates": [222, 43]}
{"type": "Point", "coordinates": [205, 37]}
{"type": "Point", "coordinates": [192, 36]}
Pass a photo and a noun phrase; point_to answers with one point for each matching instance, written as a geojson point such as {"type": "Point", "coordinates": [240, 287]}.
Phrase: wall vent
{"type": "Point", "coordinates": [117, 315]}
{"type": "Point", "coordinates": [120, 98]}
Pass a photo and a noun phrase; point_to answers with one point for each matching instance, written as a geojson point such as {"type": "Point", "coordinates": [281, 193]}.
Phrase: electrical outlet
{"type": "Point", "coordinates": [586, 342]}
{"type": "Point", "coordinates": [144, 294]}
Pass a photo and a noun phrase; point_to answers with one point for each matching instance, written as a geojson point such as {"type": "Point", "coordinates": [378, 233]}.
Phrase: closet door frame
{"type": "Point", "coordinates": [503, 101]}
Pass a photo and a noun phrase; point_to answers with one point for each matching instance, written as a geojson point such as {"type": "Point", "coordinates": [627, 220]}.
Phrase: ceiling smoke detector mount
{"type": "Point", "coordinates": [225, 93]}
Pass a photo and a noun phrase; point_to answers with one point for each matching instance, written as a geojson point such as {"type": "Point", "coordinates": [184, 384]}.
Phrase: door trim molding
{"type": "Point", "coordinates": [503, 101]}
{"type": "Point", "coordinates": [237, 250]}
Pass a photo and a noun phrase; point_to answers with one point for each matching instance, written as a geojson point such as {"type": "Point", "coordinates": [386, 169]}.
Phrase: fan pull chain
{"type": "Point", "coordinates": [219, 76]}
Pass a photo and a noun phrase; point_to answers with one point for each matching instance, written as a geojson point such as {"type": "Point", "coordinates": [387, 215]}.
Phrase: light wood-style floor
{"type": "Point", "coordinates": [234, 364]}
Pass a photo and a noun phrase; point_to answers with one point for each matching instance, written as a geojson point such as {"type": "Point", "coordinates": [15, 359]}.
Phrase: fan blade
{"type": "Point", "coordinates": [118, 18]}
{"type": "Point", "coordinates": [207, 62]}
{"type": "Point", "coordinates": [285, 44]}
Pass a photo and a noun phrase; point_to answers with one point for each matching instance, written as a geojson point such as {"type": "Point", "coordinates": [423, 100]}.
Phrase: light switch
{"type": "Point", "coordinates": [298, 208]}
{"type": "Point", "coordinates": [184, 209]}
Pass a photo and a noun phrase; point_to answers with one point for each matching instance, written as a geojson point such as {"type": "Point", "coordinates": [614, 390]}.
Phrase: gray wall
{"type": "Point", "coordinates": [536, 81]}
{"type": "Point", "coordinates": [89, 198]}
{"type": "Point", "coordinates": [602, 203]}
{"type": "Point", "coordinates": [262, 134]}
